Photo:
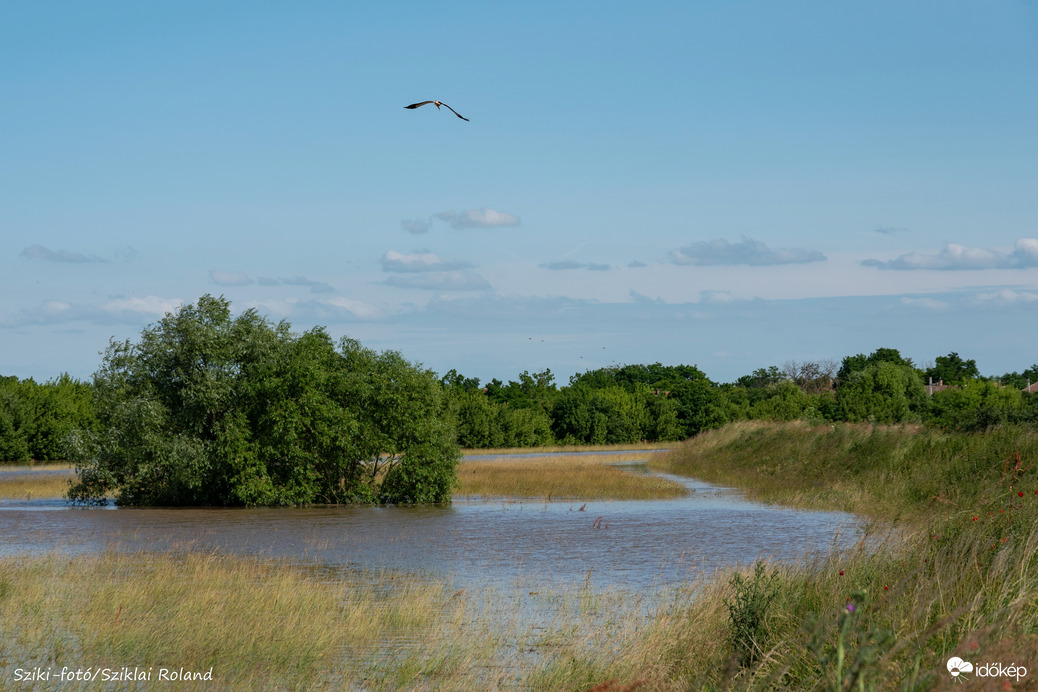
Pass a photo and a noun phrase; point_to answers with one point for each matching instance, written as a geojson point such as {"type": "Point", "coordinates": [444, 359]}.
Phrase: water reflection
{"type": "Point", "coordinates": [630, 544]}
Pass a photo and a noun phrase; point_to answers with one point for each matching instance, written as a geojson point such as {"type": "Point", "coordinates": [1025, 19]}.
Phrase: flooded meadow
{"type": "Point", "coordinates": [472, 541]}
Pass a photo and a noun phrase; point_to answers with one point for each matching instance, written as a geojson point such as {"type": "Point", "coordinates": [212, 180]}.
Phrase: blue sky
{"type": "Point", "coordinates": [731, 185]}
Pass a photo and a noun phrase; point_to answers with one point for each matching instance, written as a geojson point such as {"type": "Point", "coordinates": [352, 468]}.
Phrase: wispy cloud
{"type": "Point", "coordinates": [1008, 296]}
{"type": "Point", "coordinates": [926, 304]}
{"type": "Point", "coordinates": [148, 305]}
{"type": "Point", "coordinates": [563, 265]}
{"type": "Point", "coordinates": [419, 261]}
{"type": "Point", "coordinates": [478, 218]}
{"type": "Point", "coordinates": [440, 281]}
{"type": "Point", "coordinates": [39, 252]}
{"type": "Point", "coordinates": [716, 297]}
{"type": "Point", "coordinates": [636, 264]}
{"type": "Point", "coordinates": [746, 251]}
{"type": "Point", "coordinates": [115, 310]}
{"type": "Point", "coordinates": [644, 299]}
{"type": "Point", "coordinates": [415, 226]}
{"type": "Point", "coordinates": [335, 309]}
{"type": "Point", "coordinates": [953, 256]}
{"type": "Point", "coordinates": [226, 278]}
{"type": "Point", "coordinates": [314, 286]}
{"type": "Point", "coordinates": [469, 218]}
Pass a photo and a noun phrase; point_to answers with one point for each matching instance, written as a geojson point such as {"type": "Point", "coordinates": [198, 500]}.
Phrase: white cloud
{"type": "Point", "coordinates": [47, 255]}
{"type": "Point", "coordinates": [148, 305]}
{"type": "Point", "coordinates": [314, 286]}
{"type": "Point", "coordinates": [716, 297]}
{"type": "Point", "coordinates": [563, 265]}
{"type": "Point", "coordinates": [317, 310]}
{"type": "Point", "coordinates": [419, 261]}
{"type": "Point", "coordinates": [954, 256]}
{"type": "Point", "coordinates": [225, 278]}
{"type": "Point", "coordinates": [926, 304]}
{"type": "Point", "coordinates": [355, 307]}
{"type": "Point", "coordinates": [119, 310]}
{"type": "Point", "coordinates": [747, 251]}
{"type": "Point", "coordinates": [415, 226]}
{"type": "Point", "coordinates": [441, 281]}
{"type": "Point", "coordinates": [478, 218]}
{"type": "Point", "coordinates": [643, 299]}
{"type": "Point", "coordinates": [1008, 296]}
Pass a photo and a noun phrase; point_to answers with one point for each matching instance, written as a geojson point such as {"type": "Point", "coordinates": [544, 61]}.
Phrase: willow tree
{"type": "Point", "coordinates": [210, 409]}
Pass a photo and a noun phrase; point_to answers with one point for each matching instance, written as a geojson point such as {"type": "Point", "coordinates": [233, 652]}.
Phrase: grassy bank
{"type": "Point", "coordinates": [957, 576]}
{"type": "Point", "coordinates": [586, 478]}
{"type": "Point", "coordinates": [961, 580]}
{"type": "Point", "coordinates": [883, 472]}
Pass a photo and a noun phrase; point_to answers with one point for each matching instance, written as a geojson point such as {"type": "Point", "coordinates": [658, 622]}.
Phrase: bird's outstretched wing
{"type": "Point", "coordinates": [456, 112]}
{"type": "Point", "coordinates": [438, 104]}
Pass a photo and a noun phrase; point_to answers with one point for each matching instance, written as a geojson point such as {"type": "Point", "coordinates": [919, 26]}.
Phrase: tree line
{"type": "Point", "coordinates": [631, 403]}
{"type": "Point", "coordinates": [619, 404]}
{"type": "Point", "coordinates": [212, 409]}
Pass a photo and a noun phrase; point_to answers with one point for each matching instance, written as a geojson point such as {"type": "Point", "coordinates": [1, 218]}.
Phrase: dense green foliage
{"type": "Point", "coordinates": [630, 403]}
{"type": "Point", "coordinates": [613, 405]}
{"type": "Point", "coordinates": [36, 419]}
{"type": "Point", "coordinates": [212, 410]}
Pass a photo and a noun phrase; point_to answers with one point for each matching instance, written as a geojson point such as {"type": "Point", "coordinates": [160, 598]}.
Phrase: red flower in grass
{"type": "Point", "coordinates": [886, 588]}
{"type": "Point", "coordinates": [1021, 493]}
{"type": "Point", "coordinates": [841, 572]}
{"type": "Point", "coordinates": [974, 518]}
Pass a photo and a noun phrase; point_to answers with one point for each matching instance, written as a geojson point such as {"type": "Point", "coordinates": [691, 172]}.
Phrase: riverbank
{"type": "Point", "coordinates": [956, 577]}
{"type": "Point", "coordinates": [961, 581]}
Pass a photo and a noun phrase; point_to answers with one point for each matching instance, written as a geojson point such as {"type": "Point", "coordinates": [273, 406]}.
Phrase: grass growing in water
{"type": "Point", "coordinates": [258, 624]}
{"type": "Point", "coordinates": [585, 478]}
{"type": "Point", "coordinates": [33, 486]}
{"type": "Point", "coordinates": [960, 578]}
{"type": "Point", "coordinates": [626, 447]}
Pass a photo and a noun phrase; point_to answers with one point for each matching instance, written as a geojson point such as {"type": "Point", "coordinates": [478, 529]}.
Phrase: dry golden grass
{"type": "Point", "coordinates": [257, 624]}
{"type": "Point", "coordinates": [33, 486]}
{"type": "Point", "coordinates": [629, 447]}
{"type": "Point", "coordinates": [583, 478]}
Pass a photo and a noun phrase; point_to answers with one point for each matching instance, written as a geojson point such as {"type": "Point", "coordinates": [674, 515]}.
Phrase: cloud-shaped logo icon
{"type": "Point", "coordinates": [956, 666]}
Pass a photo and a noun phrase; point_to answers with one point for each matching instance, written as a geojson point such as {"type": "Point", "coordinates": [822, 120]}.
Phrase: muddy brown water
{"type": "Point", "coordinates": [629, 544]}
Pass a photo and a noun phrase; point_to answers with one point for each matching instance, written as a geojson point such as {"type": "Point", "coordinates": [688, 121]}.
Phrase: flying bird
{"type": "Point", "coordinates": [438, 104]}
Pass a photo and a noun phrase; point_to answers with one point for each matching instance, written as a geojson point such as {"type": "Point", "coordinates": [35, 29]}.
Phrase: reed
{"type": "Point", "coordinates": [956, 574]}
{"type": "Point", "coordinates": [33, 486]}
{"type": "Point", "coordinates": [626, 447]}
{"type": "Point", "coordinates": [258, 624]}
{"type": "Point", "coordinates": [582, 478]}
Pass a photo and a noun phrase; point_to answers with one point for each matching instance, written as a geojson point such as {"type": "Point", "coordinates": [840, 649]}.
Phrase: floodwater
{"type": "Point", "coordinates": [628, 544]}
